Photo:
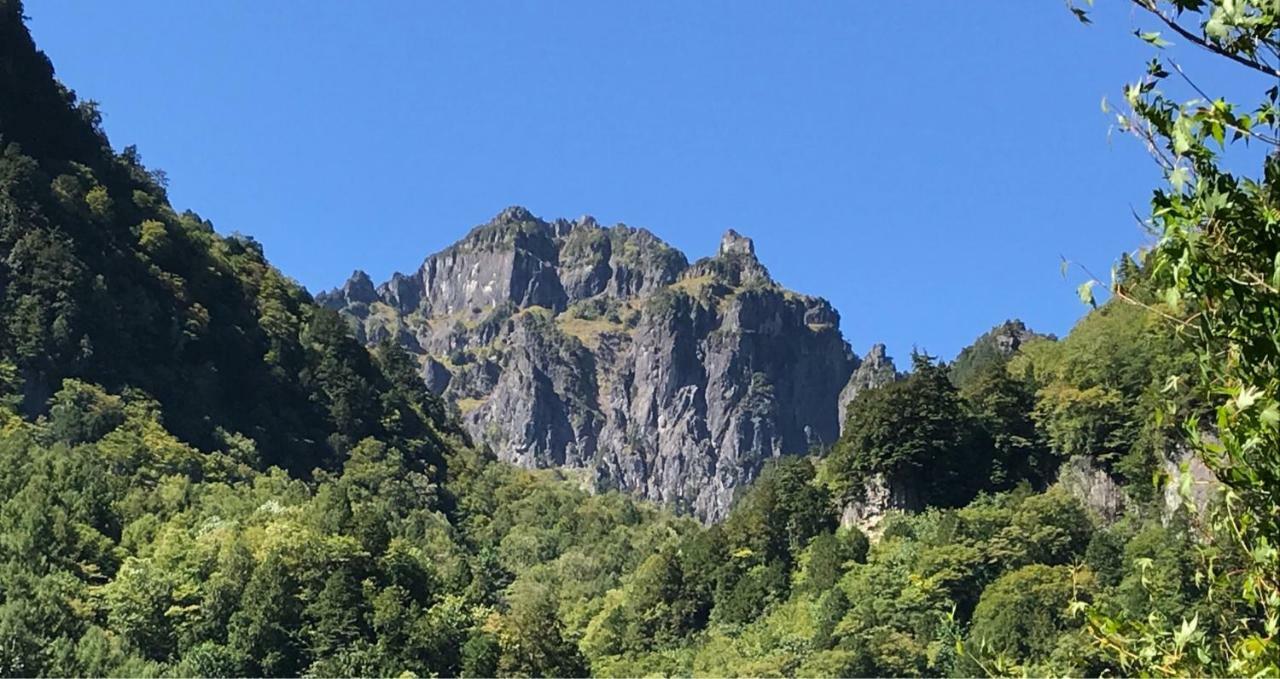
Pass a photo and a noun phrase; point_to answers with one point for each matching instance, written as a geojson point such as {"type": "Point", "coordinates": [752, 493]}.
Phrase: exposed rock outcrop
{"type": "Point", "coordinates": [1084, 480]}
{"type": "Point", "coordinates": [570, 344]}
{"type": "Point", "coordinates": [876, 369]}
{"type": "Point", "coordinates": [880, 496]}
{"type": "Point", "coordinates": [1190, 484]}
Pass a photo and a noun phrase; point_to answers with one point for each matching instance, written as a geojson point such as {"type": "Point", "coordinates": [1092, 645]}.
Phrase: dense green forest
{"type": "Point", "coordinates": [203, 473]}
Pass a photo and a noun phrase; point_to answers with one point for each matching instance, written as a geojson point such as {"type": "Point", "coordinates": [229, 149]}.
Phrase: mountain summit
{"type": "Point", "coordinates": [569, 344]}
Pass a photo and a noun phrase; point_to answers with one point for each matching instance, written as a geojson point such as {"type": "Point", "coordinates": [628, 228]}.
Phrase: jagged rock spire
{"type": "Point", "coordinates": [734, 243]}
{"type": "Point", "coordinates": [875, 369]}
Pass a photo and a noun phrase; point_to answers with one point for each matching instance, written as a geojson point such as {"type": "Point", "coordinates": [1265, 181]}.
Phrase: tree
{"type": "Point", "coordinates": [1217, 268]}
{"type": "Point", "coordinates": [1099, 389]}
{"type": "Point", "coordinates": [138, 599]}
{"type": "Point", "coordinates": [1051, 528]}
{"type": "Point", "coordinates": [480, 655]}
{"type": "Point", "coordinates": [751, 594]}
{"type": "Point", "coordinates": [82, 412]}
{"type": "Point", "coordinates": [916, 432]}
{"type": "Point", "coordinates": [532, 636]}
{"type": "Point", "coordinates": [1002, 406]}
{"type": "Point", "coordinates": [1023, 612]}
{"type": "Point", "coordinates": [336, 618]}
{"type": "Point", "coordinates": [265, 629]}
{"type": "Point", "coordinates": [832, 606]}
{"type": "Point", "coordinates": [780, 512]}
{"type": "Point", "coordinates": [829, 555]}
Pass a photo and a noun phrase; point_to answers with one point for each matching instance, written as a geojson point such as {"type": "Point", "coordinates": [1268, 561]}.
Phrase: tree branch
{"type": "Point", "coordinates": [1150, 6]}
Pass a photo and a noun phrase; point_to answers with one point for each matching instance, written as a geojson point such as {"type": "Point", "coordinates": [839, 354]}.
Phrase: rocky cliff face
{"type": "Point", "coordinates": [574, 345]}
{"type": "Point", "coordinates": [876, 369]}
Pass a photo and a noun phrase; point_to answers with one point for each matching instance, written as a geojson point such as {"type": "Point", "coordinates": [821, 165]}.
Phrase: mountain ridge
{"type": "Point", "coordinates": [571, 344]}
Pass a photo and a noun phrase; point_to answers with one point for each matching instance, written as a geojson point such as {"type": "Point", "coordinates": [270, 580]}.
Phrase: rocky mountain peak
{"type": "Point", "coordinates": [514, 215]}
{"type": "Point", "coordinates": [570, 344]}
{"type": "Point", "coordinates": [734, 264]}
{"type": "Point", "coordinates": [993, 347]}
{"type": "Point", "coordinates": [359, 288]}
{"type": "Point", "coordinates": [734, 243]}
{"type": "Point", "coordinates": [1011, 335]}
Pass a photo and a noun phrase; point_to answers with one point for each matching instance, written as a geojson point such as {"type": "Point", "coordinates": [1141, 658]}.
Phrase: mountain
{"type": "Point", "coordinates": [204, 472]}
{"type": "Point", "coordinates": [570, 344]}
{"type": "Point", "coordinates": [994, 347]}
{"type": "Point", "coordinates": [103, 281]}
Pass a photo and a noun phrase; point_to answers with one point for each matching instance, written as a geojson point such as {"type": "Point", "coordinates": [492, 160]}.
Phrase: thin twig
{"type": "Point", "coordinates": [1120, 294]}
{"type": "Point", "coordinates": [1248, 133]}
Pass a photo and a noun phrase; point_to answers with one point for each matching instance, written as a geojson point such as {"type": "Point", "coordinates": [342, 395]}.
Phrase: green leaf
{"type": "Point", "coordinates": [1216, 129]}
{"type": "Point", "coordinates": [1214, 201]}
{"type": "Point", "coordinates": [1153, 38]}
{"type": "Point", "coordinates": [1271, 416]}
{"type": "Point", "coordinates": [1178, 178]}
{"type": "Point", "coordinates": [1247, 397]}
{"type": "Point", "coordinates": [1182, 136]}
{"type": "Point", "coordinates": [1215, 28]}
{"type": "Point", "coordinates": [1085, 291]}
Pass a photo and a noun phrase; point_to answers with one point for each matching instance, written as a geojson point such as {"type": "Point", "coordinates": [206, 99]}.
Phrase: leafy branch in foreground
{"type": "Point", "coordinates": [1216, 265]}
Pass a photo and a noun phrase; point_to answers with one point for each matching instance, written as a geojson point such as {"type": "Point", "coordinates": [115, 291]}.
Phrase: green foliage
{"type": "Point", "coordinates": [1099, 389]}
{"type": "Point", "coordinates": [1024, 612]}
{"type": "Point", "coordinates": [105, 283]}
{"type": "Point", "coordinates": [915, 432]}
{"type": "Point", "coordinates": [1003, 407]}
{"type": "Point", "coordinates": [204, 474]}
{"type": "Point", "coordinates": [829, 555]}
{"type": "Point", "coordinates": [82, 412]}
{"type": "Point", "coordinates": [532, 636]}
{"type": "Point", "coordinates": [780, 513]}
{"type": "Point", "coordinates": [1216, 273]}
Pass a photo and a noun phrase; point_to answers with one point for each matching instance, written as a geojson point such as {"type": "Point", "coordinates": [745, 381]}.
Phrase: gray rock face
{"type": "Point", "coordinates": [1190, 484]}
{"type": "Point", "coordinates": [876, 369]}
{"type": "Point", "coordinates": [880, 496]}
{"type": "Point", "coordinates": [574, 345]}
{"type": "Point", "coordinates": [1093, 487]}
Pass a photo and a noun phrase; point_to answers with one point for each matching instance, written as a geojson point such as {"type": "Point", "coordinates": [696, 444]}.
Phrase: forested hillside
{"type": "Point", "coordinates": [205, 473]}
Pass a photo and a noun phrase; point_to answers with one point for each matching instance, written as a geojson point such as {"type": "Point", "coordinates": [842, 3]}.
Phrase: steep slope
{"type": "Point", "coordinates": [569, 344]}
{"type": "Point", "coordinates": [102, 280]}
{"type": "Point", "coordinates": [154, 379]}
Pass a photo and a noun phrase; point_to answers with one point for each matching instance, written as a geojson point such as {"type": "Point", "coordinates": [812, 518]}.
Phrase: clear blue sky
{"type": "Point", "coordinates": [923, 165]}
